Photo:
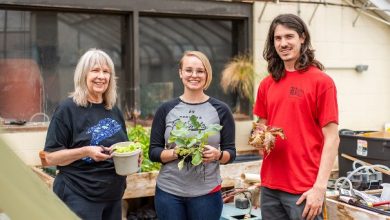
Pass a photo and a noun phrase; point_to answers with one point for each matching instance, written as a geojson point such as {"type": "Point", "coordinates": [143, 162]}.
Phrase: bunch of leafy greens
{"type": "Point", "coordinates": [142, 135]}
{"type": "Point", "coordinates": [133, 146]}
{"type": "Point", "coordinates": [190, 144]}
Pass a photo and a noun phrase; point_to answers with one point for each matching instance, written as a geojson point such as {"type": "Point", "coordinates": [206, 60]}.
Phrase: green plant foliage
{"type": "Point", "coordinates": [190, 145]}
{"type": "Point", "coordinates": [142, 135]}
{"type": "Point", "coordinates": [238, 78]}
{"type": "Point", "coordinates": [133, 146]}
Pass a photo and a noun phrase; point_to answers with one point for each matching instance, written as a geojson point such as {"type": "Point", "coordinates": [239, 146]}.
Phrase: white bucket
{"type": "Point", "coordinates": [385, 196]}
{"type": "Point", "coordinates": [126, 163]}
{"type": "Point", "coordinates": [387, 127]}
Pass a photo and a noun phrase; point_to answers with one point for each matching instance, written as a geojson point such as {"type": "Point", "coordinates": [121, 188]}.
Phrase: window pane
{"type": "Point", "coordinates": [162, 43]}
{"type": "Point", "coordinates": [39, 51]}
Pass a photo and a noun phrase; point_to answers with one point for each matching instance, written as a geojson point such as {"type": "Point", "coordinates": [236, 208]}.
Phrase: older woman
{"type": "Point", "coordinates": [190, 193]}
{"type": "Point", "coordinates": [80, 134]}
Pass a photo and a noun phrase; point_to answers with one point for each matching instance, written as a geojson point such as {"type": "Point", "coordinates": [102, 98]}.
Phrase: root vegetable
{"type": "Point", "coordinates": [264, 137]}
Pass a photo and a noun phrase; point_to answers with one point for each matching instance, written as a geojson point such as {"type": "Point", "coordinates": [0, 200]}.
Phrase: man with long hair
{"type": "Point", "coordinates": [301, 99]}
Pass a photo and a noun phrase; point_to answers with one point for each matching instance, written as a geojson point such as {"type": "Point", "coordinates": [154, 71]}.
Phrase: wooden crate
{"type": "Point", "coordinates": [339, 211]}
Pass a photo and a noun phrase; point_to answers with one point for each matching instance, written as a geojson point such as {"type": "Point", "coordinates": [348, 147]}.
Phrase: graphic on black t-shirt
{"type": "Point", "coordinates": [104, 129]}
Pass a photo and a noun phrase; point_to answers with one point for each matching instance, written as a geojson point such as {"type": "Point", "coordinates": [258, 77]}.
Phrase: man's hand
{"type": "Point", "coordinates": [314, 201]}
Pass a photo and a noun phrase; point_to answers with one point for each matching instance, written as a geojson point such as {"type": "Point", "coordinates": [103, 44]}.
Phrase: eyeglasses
{"type": "Point", "coordinates": [190, 72]}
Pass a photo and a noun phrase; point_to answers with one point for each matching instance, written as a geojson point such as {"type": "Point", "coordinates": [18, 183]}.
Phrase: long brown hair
{"type": "Point", "coordinates": [306, 57]}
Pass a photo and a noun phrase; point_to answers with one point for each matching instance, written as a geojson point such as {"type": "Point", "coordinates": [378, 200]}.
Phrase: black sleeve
{"type": "Point", "coordinates": [59, 133]}
{"type": "Point", "coordinates": [157, 140]}
{"type": "Point", "coordinates": [228, 130]}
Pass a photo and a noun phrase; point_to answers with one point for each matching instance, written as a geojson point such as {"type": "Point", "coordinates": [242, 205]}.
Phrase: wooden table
{"type": "Point", "coordinates": [143, 184]}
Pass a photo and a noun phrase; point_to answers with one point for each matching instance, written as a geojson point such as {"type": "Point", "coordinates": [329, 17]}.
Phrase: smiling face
{"type": "Point", "coordinates": [288, 44]}
{"type": "Point", "coordinates": [193, 74]}
{"type": "Point", "coordinates": [98, 79]}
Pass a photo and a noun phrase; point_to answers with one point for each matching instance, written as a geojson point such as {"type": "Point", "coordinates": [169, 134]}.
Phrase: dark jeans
{"type": "Point", "coordinates": [171, 207]}
{"type": "Point", "coordinates": [86, 209]}
{"type": "Point", "coordinates": [279, 205]}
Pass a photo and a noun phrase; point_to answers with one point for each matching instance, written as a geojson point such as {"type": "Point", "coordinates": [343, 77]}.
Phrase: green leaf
{"type": "Point", "coordinates": [194, 122]}
{"type": "Point", "coordinates": [180, 124]}
{"type": "Point", "coordinates": [181, 164]}
{"type": "Point", "coordinates": [172, 139]}
{"type": "Point", "coordinates": [213, 128]}
{"type": "Point", "coordinates": [196, 158]}
{"type": "Point", "coordinates": [182, 133]}
{"type": "Point", "coordinates": [180, 142]}
{"type": "Point", "coordinates": [192, 142]}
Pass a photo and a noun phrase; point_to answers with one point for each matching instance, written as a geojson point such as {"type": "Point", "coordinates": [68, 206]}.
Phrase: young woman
{"type": "Point", "coordinates": [191, 193]}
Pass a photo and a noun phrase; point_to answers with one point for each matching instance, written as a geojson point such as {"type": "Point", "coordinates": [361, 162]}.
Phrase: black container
{"type": "Point", "coordinates": [368, 148]}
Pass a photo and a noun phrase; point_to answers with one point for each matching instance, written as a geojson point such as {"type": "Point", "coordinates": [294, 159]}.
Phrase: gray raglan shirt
{"type": "Point", "coordinates": [191, 181]}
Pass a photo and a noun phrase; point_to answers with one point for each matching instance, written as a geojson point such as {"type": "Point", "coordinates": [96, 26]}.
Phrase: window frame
{"type": "Point", "coordinates": [241, 12]}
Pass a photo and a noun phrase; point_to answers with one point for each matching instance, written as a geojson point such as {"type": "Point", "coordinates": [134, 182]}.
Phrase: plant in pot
{"type": "Point", "coordinates": [126, 157]}
{"type": "Point", "coordinates": [190, 144]}
{"type": "Point", "coordinates": [238, 80]}
{"type": "Point", "coordinates": [141, 134]}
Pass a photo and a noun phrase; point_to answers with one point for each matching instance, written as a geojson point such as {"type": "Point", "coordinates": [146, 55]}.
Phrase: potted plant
{"type": "Point", "coordinates": [126, 157]}
{"type": "Point", "coordinates": [189, 144]}
{"type": "Point", "coordinates": [141, 134]}
{"type": "Point", "coordinates": [238, 79]}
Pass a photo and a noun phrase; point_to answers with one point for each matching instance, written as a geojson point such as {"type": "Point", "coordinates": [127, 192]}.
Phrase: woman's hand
{"type": "Point", "coordinates": [99, 153]}
{"type": "Point", "coordinates": [67, 156]}
{"type": "Point", "coordinates": [210, 154]}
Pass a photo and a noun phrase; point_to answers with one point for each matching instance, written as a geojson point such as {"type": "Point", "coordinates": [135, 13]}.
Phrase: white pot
{"type": "Point", "coordinates": [126, 163]}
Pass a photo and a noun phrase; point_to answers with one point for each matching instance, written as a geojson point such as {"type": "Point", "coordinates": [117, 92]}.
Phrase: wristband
{"type": "Point", "coordinates": [220, 157]}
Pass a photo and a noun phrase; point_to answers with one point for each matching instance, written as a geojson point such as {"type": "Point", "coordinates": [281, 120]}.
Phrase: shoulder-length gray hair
{"type": "Point", "coordinates": [91, 58]}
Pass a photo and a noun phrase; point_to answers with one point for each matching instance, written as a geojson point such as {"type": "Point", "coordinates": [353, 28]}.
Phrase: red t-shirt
{"type": "Point", "coordinates": [301, 103]}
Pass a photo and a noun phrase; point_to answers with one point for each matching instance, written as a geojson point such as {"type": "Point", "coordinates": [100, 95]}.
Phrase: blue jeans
{"type": "Point", "coordinates": [171, 207]}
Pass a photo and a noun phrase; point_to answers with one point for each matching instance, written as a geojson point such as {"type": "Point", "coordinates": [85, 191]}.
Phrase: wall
{"type": "Point", "coordinates": [26, 144]}
{"type": "Point", "coordinates": [364, 98]}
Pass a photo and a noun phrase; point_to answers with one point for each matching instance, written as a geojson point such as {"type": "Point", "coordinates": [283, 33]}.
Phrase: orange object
{"type": "Point", "coordinates": [376, 134]}
{"type": "Point", "coordinates": [20, 89]}
{"type": "Point", "coordinates": [42, 156]}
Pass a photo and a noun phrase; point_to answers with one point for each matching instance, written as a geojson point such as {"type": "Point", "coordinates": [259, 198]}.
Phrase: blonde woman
{"type": "Point", "coordinates": [80, 134]}
{"type": "Point", "coordinates": [190, 193]}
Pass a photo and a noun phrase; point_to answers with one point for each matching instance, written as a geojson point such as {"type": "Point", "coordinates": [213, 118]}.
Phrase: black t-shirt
{"type": "Point", "coordinates": [74, 126]}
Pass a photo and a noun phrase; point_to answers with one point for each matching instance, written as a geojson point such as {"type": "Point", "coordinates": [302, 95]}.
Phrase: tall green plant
{"type": "Point", "coordinates": [142, 135]}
